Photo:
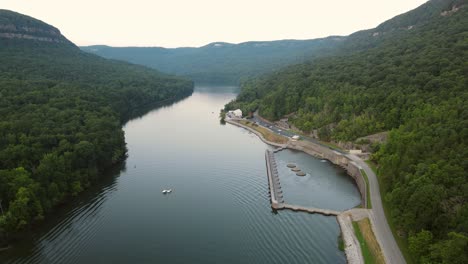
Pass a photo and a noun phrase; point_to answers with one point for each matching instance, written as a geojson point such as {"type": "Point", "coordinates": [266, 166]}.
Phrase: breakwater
{"type": "Point", "coordinates": [276, 194]}
{"type": "Point", "coordinates": [344, 219]}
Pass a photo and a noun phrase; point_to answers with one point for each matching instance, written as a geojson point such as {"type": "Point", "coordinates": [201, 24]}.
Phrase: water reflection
{"type": "Point", "coordinates": [219, 211]}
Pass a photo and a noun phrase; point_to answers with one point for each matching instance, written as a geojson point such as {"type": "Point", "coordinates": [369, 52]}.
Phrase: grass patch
{"type": "Point", "coordinates": [369, 200]}
{"type": "Point", "coordinates": [369, 246]}
{"type": "Point", "coordinates": [267, 134]}
{"type": "Point", "coordinates": [341, 243]}
{"type": "Point", "coordinates": [401, 241]}
{"type": "Point", "coordinates": [332, 146]}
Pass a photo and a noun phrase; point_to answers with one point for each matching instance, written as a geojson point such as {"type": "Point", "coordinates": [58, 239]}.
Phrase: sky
{"type": "Point", "coordinates": [194, 23]}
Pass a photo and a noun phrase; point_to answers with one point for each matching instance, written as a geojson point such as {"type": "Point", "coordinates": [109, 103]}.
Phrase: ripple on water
{"type": "Point", "coordinates": [70, 237]}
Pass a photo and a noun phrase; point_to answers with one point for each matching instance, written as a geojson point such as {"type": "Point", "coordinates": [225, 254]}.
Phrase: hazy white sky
{"type": "Point", "coordinates": [176, 23]}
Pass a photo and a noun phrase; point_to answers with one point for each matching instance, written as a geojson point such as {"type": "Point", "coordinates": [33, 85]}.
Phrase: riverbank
{"type": "Point", "coordinates": [262, 138]}
{"type": "Point", "coordinates": [345, 219]}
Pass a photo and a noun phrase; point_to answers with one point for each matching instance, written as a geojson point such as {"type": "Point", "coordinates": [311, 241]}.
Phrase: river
{"type": "Point", "coordinates": [219, 210]}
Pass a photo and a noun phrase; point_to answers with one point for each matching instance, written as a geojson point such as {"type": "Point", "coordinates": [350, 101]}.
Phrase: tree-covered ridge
{"type": "Point", "coordinates": [61, 112]}
{"type": "Point", "coordinates": [222, 62]}
{"type": "Point", "coordinates": [411, 81]}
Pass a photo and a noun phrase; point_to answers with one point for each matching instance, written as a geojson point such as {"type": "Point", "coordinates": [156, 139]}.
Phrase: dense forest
{"type": "Point", "coordinates": [408, 76]}
{"type": "Point", "coordinates": [222, 62]}
{"type": "Point", "coordinates": [61, 113]}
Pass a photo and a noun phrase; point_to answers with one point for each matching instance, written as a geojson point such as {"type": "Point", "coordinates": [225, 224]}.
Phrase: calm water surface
{"type": "Point", "coordinates": [219, 211]}
{"type": "Point", "coordinates": [325, 185]}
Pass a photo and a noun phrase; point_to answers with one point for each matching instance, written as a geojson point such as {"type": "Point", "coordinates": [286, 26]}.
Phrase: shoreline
{"type": "Point", "coordinates": [352, 248]}
{"type": "Point", "coordinates": [233, 122]}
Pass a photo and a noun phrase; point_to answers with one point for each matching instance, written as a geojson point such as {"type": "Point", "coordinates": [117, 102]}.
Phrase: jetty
{"type": "Point", "coordinates": [276, 194]}
{"type": "Point", "coordinates": [279, 149]}
{"type": "Point", "coordinates": [310, 210]}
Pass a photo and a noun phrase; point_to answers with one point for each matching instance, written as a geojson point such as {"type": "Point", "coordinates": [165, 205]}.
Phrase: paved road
{"type": "Point", "coordinates": [384, 234]}
{"type": "Point", "coordinates": [288, 133]}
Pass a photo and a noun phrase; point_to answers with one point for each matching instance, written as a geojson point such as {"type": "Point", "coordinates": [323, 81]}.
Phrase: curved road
{"type": "Point", "coordinates": [384, 235]}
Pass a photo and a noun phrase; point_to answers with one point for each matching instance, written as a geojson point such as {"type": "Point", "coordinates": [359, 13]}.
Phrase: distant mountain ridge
{"type": "Point", "coordinates": [28, 28]}
{"type": "Point", "coordinates": [227, 62]}
{"type": "Point", "coordinates": [221, 61]}
{"type": "Point", "coordinates": [400, 25]}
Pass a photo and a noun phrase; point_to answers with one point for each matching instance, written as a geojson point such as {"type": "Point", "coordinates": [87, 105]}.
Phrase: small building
{"type": "Point", "coordinates": [235, 114]}
{"type": "Point", "coordinates": [295, 137]}
{"type": "Point", "coordinates": [355, 151]}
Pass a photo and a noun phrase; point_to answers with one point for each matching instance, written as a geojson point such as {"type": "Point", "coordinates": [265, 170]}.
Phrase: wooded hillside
{"type": "Point", "coordinates": [61, 113]}
{"type": "Point", "coordinates": [408, 76]}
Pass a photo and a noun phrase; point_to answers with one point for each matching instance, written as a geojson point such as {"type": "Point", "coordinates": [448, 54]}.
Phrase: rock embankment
{"type": "Point", "coordinates": [351, 244]}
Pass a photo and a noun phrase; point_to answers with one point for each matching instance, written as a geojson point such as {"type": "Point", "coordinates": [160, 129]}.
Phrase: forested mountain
{"type": "Point", "coordinates": [61, 112]}
{"type": "Point", "coordinates": [221, 62]}
{"type": "Point", "coordinates": [408, 76]}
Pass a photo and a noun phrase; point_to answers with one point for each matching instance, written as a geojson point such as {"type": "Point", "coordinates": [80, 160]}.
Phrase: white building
{"type": "Point", "coordinates": [235, 114]}
{"type": "Point", "coordinates": [355, 151]}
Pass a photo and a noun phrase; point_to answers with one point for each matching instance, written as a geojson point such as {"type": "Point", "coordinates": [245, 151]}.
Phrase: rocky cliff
{"type": "Point", "coordinates": [28, 28]}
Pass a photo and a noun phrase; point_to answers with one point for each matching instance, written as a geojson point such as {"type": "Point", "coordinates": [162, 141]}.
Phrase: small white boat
{"type": "Point", "coordinates": [169, 191]}
{"type": "Point", "coordinates": [166, 191]}
{"type": "Point", "coordinates": [323, 160]}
